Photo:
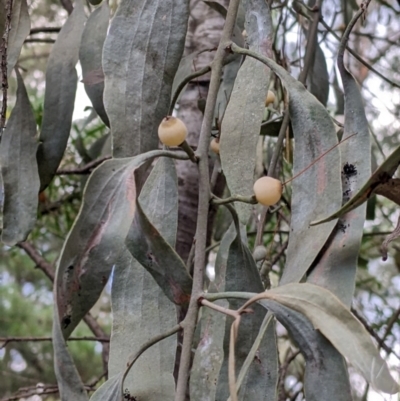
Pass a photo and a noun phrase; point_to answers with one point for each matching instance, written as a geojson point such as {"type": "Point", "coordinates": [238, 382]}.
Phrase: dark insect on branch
{"type": "Point", "coordinates": [128, 396]}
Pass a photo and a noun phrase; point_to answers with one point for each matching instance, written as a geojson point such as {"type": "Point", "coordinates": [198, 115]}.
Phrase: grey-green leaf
{"type": "Point", "coordinates": [97, 237]}
{"type": "Point", "coordinates": [245, 110]}
{"type": "Point", "coordinates": [140, 308]}
{"type": "Point", "coordinates": [335, 321]}
{"type": "Point", "coordinates": [59, 98]}
{"type": "Point", "coordinates": [20, 27]}
{"type": "Point", "coordinates": [149, 248]}
{"type": "Point", "coordinates": [19, 170]}
{"type": "Point", "coordinates": [336, 269]}
{"type": "Point", "coordinates": [324, 364]}
{"type": "Point", "coordinates": [242, 275]}
{"type": "Point", "coordinates": [317, 191]}
{"type": "Point", "coordinates": [90, 56]}
{"type": "Point", "coordinates": [69, 382]}
{"type": "Point", "coordinates": [318, 77]}
{"type": "Point", "coordinates": [110, 390]}
{"type": "Point", "coordinates": [141, 54]}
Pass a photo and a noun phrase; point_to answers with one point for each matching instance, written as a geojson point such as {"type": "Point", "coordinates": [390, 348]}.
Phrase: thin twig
{"type": "Point", "coordinates": [86, 169]}
{"type": "Point", "coordinates": [7, 340]}
{"type": "Point", "coordinates": [236, 198]}
{"type": "Point", "coordinates": [184, 82]}
{"type": "Point", "coordinates": [4, 65]}
{"type": "Point", "coordinates": [218, 308]}
{"type": "Point", "coordinates": [374, 334]}
{"type": "Point", "coordinates": [190, 321]}
{"type": "Point", "coordinates": [134, 357]}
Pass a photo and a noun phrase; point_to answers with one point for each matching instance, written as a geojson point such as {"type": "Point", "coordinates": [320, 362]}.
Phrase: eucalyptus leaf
{"type": "Point", "coordinates": [97, 237]}
{"type": "Point", "coordinates": [325, 370]}
{"type": "Point", "coordinates": [59, 97]}
{"type": "Point", "coordinates": [90, 56]}
{"type": "Point", "coordinates": [209, 354]}
{"type": "Point", "coordinates": [244, 113]}
{"type": "Point", "coordinates": [140, 308]}
{"type": "Point", "coordinates": [317, 191]}
{"type": "Point", "coordinates": [335, 321]}
{"type": "Point", "coordinates": [141, 54]}
{"type": "Point", "coordinates": [69, 382]}
{"type": "Point", "coordinates": [152, 251]}
{"type": "Point", "coordinates": [19, 170]}
{"type": "Point", "coordinates": [20, 27]}
{"type": "Point", "coordinates": [242, 275]}
{"type": "Point", "coordinates": [318, 76]}
{"type": "Point", "coordinates": [110, 390]}
{"type": "Point", "coordinates": [337, 267]}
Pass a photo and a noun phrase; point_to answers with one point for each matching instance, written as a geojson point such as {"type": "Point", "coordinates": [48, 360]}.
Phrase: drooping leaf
{"type": "Point", "coordinates": [59, 98]}
{"type": "Point", "coordinates": [90, 57]}
{"type": "Point", "coordinates": [318, 189]}
{"type": "Point", "coordinates": [209, 353]}
{"type": "Point", "coordinates": [336, 269]}
{"type": "Point", "coordinates": [97, 237]}
{"type": "Point", "coordinates": [242, 275]}
{"type": "Point", "coordinates": [20, 27]}
{"type": "Point", "coordinates": [69, 382]}
{"type": "Point", "coordinates": [110, 390]}
{"type": "Point", "coordinates": [335, 321]}
{"type": "Point", "coordinates": [19, 170]}
{"type": "Point", "coordinates": [318, 76]}
{"type": "Point", "coordinates": [140, 308]}
{"type": "Point", "coordinates": [245, 110]}
{"type": "Point", "coordinates": [381, 177]}
{"type": "Point", "coordinates": [151, 250]}
{"type": "Point", "coordinates": [141, 54]}
{"type": "Point", "coordinates": [325, 371]}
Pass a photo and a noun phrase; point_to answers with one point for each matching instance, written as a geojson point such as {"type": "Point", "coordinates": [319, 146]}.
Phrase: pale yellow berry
{"type": "Point", "coordinates": [214, 146]}
{"type": "Point", "coordinates": [270, 98]}
{"type": "Point", "coordinates": [267, 190]}
{"type": "Point", "coordinates": [172, 131]}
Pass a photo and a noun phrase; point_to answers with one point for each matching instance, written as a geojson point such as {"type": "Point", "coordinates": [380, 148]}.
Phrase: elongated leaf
{"type": "Point", "coordinates": [19, 170]}
{"type": "Point", "coordinates": [336, 270]}
{"type": "Point", "coordinates": [326, 371]}
{"type": "Point", "coordinates": [141, 55]}
{"type": "Point", "coordinates": [318, 77]}
{"type": "Point", "coordinates": [110, 390]}
{"type": "Point", "coordinates": [69, 382]}
{"type": "Point", "coordinates": [140, 308]}
{"type": "Point", "coordinates": [242, 275]}
{"type": "Point", "coordinates": [381, 176]}
{"type": "Point", "coordinates": [317, 191]}
{"type": "Point", "coordinates": [334, 320]}
{"type": "Point", "coordinates": [90, 55]}
{"type": "Point", "coordinates": [244, 113]}
{"type": "Point", "coordinates": [97, 237]}
{"type": "Point", "coordinates": [59, 98]}
{"type": "Point", "coordinates": [20, 27]}
{"type": "Point", "coordinates": [150, 249]}
{"type": "Point", "coordinates": [209, 353]}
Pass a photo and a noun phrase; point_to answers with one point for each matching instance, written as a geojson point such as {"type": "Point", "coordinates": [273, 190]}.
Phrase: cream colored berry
{"type": "Point", "coordinates": [214, 146]}
{"type": "Point", "coordinates": [267, 190]}
{"type": "Point", "coordinates": [270, 98]}
{"type": "Point", "coordinates": [172, 131]}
